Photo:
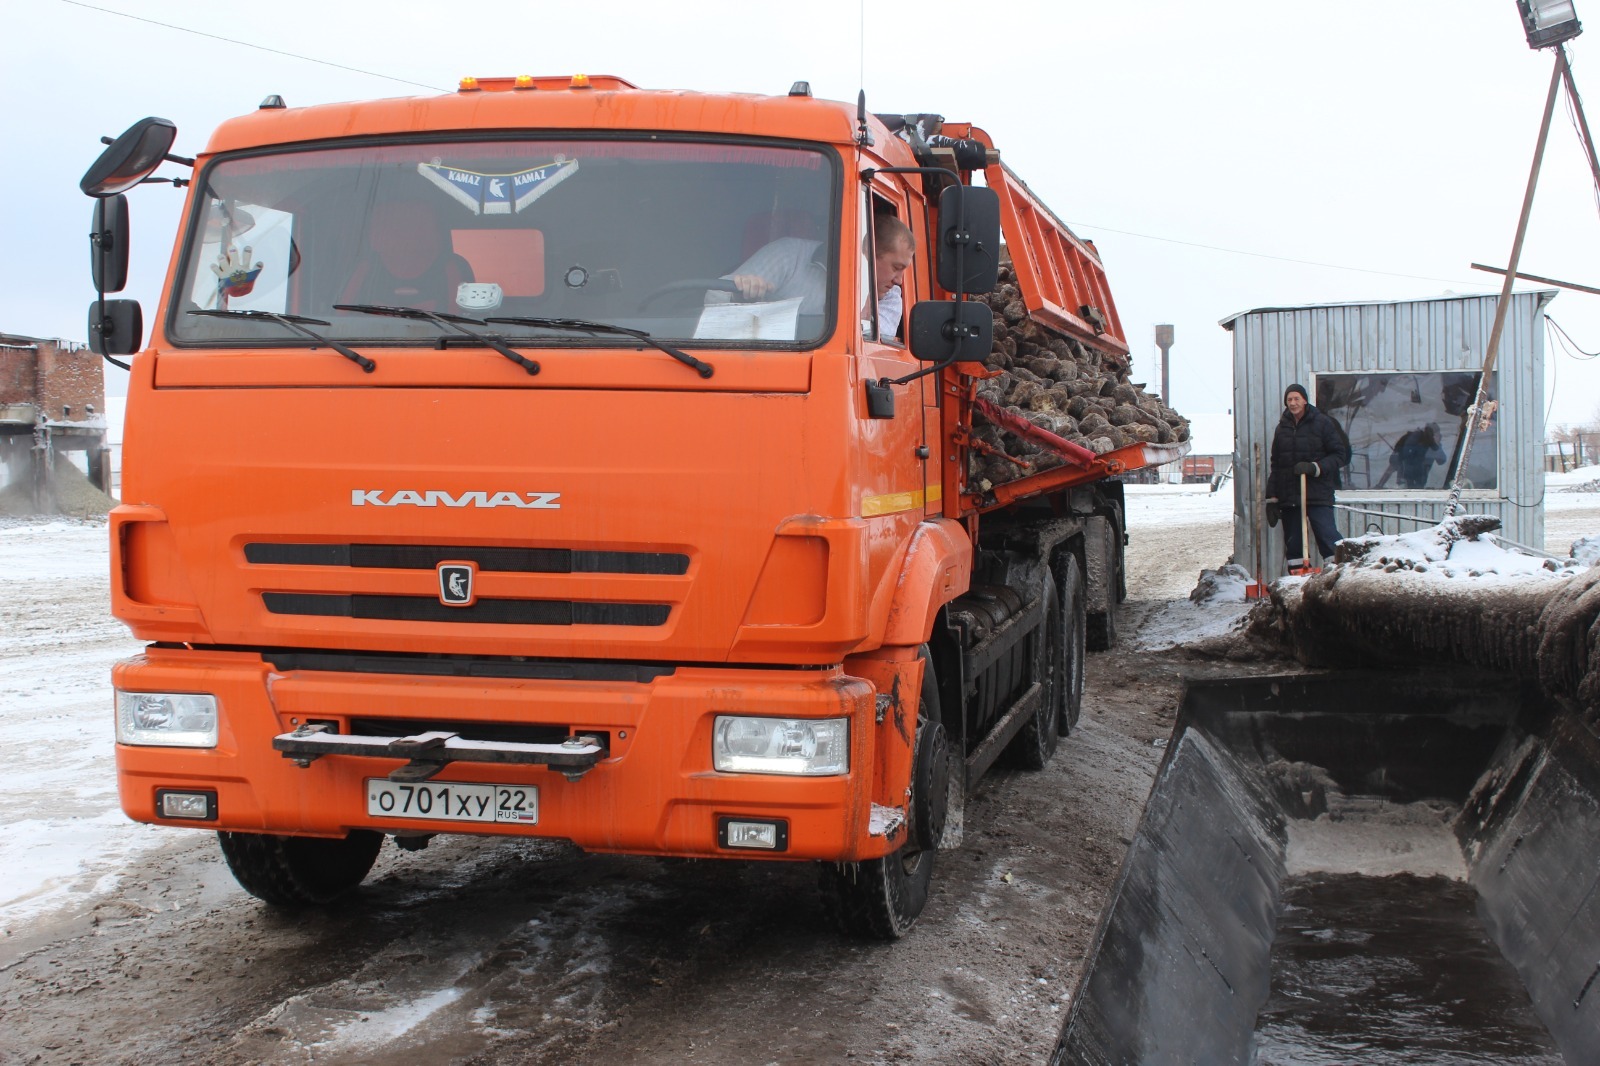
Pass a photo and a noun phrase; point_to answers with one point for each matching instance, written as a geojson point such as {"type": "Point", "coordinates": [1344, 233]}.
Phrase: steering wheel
{"type": "Point", "coordinates": [689, 285]}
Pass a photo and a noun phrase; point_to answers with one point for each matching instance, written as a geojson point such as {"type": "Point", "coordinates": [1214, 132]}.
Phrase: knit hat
{"type": "Point", "coordinates": [1301, 389]}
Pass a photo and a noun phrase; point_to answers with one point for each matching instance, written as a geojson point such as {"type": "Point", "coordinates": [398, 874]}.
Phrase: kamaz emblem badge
{"type": "Point", "coordinates": [456, 585]}
{"type": "Point", "coordinates": [497, 194]}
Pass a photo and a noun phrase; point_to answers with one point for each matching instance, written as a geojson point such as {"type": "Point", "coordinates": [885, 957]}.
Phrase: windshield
{"type": "Point", "coordinates": [648, 235]}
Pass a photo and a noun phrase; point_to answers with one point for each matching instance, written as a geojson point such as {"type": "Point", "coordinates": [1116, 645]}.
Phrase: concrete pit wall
{"type": "Point", "coordinates": [1183, 956]}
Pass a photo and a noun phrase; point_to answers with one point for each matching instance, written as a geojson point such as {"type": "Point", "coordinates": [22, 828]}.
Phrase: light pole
{"type": "Point", "coordinates": [1547, 24]}
{"type": "Point", "coordinates": [1164, 342]}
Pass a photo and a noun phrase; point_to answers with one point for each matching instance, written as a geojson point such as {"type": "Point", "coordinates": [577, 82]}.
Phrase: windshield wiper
{"type": "Point", "coordinates": [579, 325]}
{"type": "Point", "coordinates": [298, 324]}
{"type": "Point", "coordinates": [456, 322]}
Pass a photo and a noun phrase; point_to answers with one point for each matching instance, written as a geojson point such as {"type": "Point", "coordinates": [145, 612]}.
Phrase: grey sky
{"type": "Point", "coordinates": [1391, 137]}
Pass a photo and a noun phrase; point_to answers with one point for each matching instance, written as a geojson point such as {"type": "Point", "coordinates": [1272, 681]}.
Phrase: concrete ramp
{"type": "Point", "coordinates": [1367, 866]}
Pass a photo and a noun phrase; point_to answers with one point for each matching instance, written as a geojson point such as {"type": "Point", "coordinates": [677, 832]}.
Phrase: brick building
{"type": "Point", "coordinates": [59, 378]}
{"type": "Point", "coordinates": [52, 400]}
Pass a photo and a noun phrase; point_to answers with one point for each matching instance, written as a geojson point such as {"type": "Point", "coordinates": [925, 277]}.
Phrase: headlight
{"type": "Point", "coordinates": [813, 747]}
{"type": "Point", "coordinates": [169, 719]}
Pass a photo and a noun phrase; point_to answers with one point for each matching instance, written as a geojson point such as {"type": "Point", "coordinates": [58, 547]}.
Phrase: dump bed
{"type": "Point", "coordinates": [1052, 406]}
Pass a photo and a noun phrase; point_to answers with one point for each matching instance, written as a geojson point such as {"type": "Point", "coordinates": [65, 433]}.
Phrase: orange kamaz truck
{"type": "Point", "coordinates": [471, 485]}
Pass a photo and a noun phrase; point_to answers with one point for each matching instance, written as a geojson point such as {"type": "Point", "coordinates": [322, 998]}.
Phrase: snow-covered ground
{"type": "Point", "coordinates": [65, 833]}
{"type": "Point", "coordinates": [66, 838]}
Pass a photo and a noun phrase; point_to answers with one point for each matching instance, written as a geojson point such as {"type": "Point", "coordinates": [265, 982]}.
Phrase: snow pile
{"type": "Point", "coordinates": [1460, 547]}
{"type": "Point", "coordinates": [1191, 625]}
{"type": "Point", "coordinates": [1215, 609]}
{"type": "Point", "coordinates": [1583, 479]}
{"type": "Point", "coordinates": [1225, 585]}
{"type": "Point", "coordinates": [1586, 551]}
{"type": "Point", "coordinates": [1447, 595]}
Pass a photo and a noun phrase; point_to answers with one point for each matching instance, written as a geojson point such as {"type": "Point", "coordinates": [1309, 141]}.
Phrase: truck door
{"type": "Point", "coordinates": [884, 209]}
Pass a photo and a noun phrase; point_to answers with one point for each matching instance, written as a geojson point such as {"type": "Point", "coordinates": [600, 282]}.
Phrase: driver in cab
{"type": "Point", "coordinates": [792, 267]}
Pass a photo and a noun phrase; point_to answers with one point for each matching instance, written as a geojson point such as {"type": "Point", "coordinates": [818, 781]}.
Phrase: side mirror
{"type": "Point", "coordinates": [108, 244]}
{"type": "Point", "coordinates": [942, 330]}
{"type": "Point", "coordinates": [976, 247]}
{"type": "Point", "coordinates": [131, 158]}
{"type": "Point", "coordinates": [116, 327]}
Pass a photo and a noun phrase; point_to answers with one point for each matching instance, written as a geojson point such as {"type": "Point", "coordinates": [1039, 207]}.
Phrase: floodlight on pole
{"type": "Point", "coordinates": [1548, 22]}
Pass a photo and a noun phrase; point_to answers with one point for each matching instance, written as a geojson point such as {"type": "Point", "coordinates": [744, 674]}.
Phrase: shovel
{"type": "Point", "coordinates": [1305, 566]}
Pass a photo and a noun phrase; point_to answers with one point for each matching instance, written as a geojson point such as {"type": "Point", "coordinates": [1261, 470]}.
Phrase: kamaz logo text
{"type": "Point", "coordinates": [439, 498]}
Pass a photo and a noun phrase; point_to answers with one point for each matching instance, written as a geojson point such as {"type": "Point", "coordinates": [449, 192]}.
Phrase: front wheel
{"type": "Point", "coordinates": [880, 899]}
{"type": "Point", "coordinates": [299, 871]}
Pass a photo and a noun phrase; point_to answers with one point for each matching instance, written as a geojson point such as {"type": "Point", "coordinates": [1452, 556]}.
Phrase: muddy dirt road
{"type": "Point", "coordinates": [478, 951]}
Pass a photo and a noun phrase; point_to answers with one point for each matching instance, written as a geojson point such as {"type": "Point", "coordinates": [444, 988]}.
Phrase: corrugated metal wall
{"type": "Point", "coordinates": [1275, 347]}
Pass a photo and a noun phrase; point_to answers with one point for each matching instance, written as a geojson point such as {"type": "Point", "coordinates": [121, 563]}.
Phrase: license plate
{"type": "Point", "coordinates": [452, 801]}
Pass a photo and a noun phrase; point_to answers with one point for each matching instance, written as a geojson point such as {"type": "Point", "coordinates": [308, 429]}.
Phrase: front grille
{"type": "Point", "coordinates": [355, 662]}
{"type": "Point", "coordinates": [429, 556]}
{"type": "Point", "coordinates": [492, 612]}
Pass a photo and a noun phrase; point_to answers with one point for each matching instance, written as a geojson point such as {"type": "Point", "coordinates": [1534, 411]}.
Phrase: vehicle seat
{"type": "Point", "coordinates": [409, 262]}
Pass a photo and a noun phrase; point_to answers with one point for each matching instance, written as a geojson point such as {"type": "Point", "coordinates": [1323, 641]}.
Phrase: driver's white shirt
{"type": "Point", "coordinates": [891, 307]}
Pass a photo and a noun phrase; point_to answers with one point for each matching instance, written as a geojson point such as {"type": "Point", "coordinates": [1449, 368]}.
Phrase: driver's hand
{"type": "Point", "coordinates": [752, 286]}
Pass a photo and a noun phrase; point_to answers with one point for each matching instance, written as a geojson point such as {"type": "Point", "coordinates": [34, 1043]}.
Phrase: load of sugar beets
{"type": "Point", "coordinates": [1061, 385]}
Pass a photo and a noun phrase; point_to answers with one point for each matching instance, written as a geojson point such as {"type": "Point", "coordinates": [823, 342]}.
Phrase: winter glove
{"type": "Point", "coordinates": [1308, 469]}
{"type": "Point", "coordinates": [1272, 512]}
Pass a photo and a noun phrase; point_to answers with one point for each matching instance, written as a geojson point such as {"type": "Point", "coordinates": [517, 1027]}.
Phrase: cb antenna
{"type": "Point", "coordinates": [863, 134]}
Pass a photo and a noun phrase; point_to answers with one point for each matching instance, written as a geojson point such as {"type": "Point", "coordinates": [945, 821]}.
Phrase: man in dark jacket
{"type": "Point", "coordinates": [1307, 443]}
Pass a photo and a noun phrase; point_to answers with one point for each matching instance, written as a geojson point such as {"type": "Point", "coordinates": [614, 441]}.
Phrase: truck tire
{"type": "Point", "coordinates": [880, 899]}
{"type": "Point", "coordinates": [1070, 649]}
{"type": "Point", "coordinates": [1033, 746]}
{"type": "Point", "coordinates": [1102, 634]}
{"type": "Point", "coordinates": [299, 871]}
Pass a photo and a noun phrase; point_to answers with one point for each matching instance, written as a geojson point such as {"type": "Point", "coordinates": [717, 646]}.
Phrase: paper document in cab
{"type": "Point", "coordinates": [777, 320]}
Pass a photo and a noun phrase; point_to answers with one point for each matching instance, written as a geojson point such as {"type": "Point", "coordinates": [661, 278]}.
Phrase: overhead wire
{"type": "Point", "coordinates": [1570, 346]}
{"type": "Point", "coordinates": [1278, 258]}
{"type": "Point", "coordinates": [251, 44]}
{"type": "Point", "coordinates": [1572, 351]}
{"type": "Point", "coordinates": [1574, 109]}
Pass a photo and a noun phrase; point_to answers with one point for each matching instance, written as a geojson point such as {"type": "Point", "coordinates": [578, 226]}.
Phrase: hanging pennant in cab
{"type": "Point", "coordinates": [497, 194]}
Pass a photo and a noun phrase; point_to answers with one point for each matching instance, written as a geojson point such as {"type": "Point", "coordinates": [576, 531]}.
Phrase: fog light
{"type": "Point", "coordinates": [811, 747]}
{"type": "Point", "coordinates": [198, 806]}
{"type": "Point", "coordinates": [753, 834]}
{"type": "Point", "coordinates": [168, 719]}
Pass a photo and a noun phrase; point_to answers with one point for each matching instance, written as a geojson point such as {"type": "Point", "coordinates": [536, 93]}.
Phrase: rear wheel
{"type": "Point", "coordinates": [1032, 748]}
{"type": "Point", "coordinates": [880, 899]}
{"type": "Point", "coordinates": [1102, 631]}
{"type": "Point", "coordinates": [299, 871]}
{"type": "Point", "coordinates": [1069, 650]}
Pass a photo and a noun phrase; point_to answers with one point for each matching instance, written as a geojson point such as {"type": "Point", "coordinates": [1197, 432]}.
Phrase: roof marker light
{"type": "Point", "coordinates": [524, 81]}
{"type": "Point", "coordinates": [469, 85]}
{"type": "Point", "coordinates": [580, 81]}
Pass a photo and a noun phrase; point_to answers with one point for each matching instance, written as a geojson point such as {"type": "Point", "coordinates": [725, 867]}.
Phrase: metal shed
{"type": "Point", "coordinates": [1397, 375]}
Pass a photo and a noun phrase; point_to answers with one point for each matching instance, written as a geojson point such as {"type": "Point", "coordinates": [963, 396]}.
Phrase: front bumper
{"type": "Point", "coordinates": [650, 788]}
